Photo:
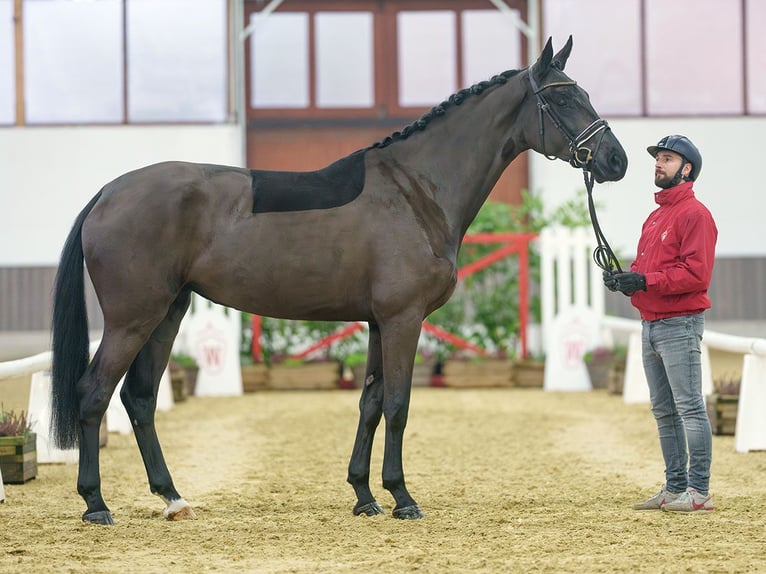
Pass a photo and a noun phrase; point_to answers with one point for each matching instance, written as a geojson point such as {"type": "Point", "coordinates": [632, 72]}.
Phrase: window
{"type": "Point", "coordinates": [180, 76]}
{"type": "Point", "coordinates": [491, 44]}
{"type": "Point", "coordinates": [606, 52]}
{"type": "Point", "coordinates": [73, 61]}
{"type": "Point", "coordinates": [374, 60]}
{"type": "Point", "coordinates": [426, 47]}
{"type": "Point", "coordinates": [658, 58]}
{"type": "Point", "coordinates": [7, 65]}
{"type": "Point", "coordinates": [694, 69]}
{"type": "Point", "coordinates": [345, 60]}
{"type": "Point", "coordinates": [116, 61]}
{"type": "Point", "coordinates": [756, 56]}
{"type": "Point", "coordinates": [279, 58]}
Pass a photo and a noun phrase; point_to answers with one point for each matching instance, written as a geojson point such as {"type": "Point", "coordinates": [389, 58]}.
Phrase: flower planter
{"type": "Point", "coordinates": [304, 376]}
{"type": "Point", "coordinates": [477, 374]}
{"type": "Point", "coordinates": [599, 371]}
{"type": "Point", "coordinates": [18, 458]}
{"type": "Point", "coordinates": [255, 377]}
{"type": "Point", "coordinates": [528, 374]}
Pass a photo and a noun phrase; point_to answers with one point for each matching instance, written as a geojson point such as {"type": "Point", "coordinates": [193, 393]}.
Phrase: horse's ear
{"type": "Point", "coordinates": [543, 63]}
{"type": "Point", "coordinates": [560, 59]}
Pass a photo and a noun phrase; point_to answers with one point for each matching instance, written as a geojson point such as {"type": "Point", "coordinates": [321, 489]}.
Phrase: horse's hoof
{"type": "Point", "coordinates": [369, 509]}
{"type": "Point", "coordinates": [179, 510]}
{"type": "Point", "coordinates": [100, 517]}
{"type": "Point", "coordinates": [408, 513]}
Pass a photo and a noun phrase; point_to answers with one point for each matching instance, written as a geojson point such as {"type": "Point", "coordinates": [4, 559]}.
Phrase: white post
{"type": "Point", "coordinates": [750, 432]}
{"type": "Point", "coordinates": [39, 417]}
{"type": "Point", "coordinates": [571, 310]}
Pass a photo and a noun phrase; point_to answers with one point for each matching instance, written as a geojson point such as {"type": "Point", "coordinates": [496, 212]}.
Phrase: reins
{"type": "Point", "coordinates": [579, 156]}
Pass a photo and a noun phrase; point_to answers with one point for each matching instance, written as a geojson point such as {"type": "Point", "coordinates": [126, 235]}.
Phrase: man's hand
{"type": "Point", "coordinates": [629, 282]}
{"type": "Point", "coordinates": [609, 280]}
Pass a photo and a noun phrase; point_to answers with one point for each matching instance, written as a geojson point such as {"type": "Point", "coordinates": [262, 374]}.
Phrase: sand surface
{"type": "Point", "coordinates": [511, 480]}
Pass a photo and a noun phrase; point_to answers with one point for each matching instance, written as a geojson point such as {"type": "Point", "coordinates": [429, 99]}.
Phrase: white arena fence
{"type": "Point", "coordinates": [573, 322]}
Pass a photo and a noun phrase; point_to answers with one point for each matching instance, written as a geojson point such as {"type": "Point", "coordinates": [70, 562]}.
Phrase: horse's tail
{"type": "Point", "coordinates": [71, 352]}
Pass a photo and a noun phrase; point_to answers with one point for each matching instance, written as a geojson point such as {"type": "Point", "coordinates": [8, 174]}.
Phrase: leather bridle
{"type": "Point", "coordinates": [579, 156]}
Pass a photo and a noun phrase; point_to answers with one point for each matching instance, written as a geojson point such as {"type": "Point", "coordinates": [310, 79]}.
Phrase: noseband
{"type": "Point", "coordinates": [579, 154]}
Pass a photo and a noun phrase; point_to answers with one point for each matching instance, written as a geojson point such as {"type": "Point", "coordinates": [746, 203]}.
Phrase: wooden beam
{"type": "Point", "coordinates": [18, 32]}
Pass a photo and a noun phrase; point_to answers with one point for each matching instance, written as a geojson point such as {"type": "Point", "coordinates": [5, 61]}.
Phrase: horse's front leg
{"type": "Point", "coordinates": [399, 340]}
{"type": "Point", "coordinates": [370, 411]}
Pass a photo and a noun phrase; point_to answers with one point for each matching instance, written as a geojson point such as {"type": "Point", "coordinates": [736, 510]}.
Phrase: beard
{"type": "Point", "coordinates": [664, 181]}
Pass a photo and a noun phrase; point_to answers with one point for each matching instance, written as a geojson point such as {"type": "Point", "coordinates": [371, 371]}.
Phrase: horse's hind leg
{"type": "Point", "coordinates": [139, 395]}
{"type": "Point", "coordinates": [94, 390]}
{"type": "Point", "coordinates": [370, 412]}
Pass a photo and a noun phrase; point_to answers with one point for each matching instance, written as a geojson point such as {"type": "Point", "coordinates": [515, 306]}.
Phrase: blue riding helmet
{"type": "Point", "coordinates": [682, 146]}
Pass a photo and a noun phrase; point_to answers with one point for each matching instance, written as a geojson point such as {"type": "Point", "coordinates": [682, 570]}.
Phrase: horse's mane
{"type": "Point", "coordinates": [454, 100]}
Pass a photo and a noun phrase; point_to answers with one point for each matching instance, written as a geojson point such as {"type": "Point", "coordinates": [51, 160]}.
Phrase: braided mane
{"type": "Point", "coordinates": [454, 100]}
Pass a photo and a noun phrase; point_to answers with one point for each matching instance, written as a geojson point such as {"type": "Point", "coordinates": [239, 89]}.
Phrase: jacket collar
{"type": "Point", "coordinates": [674, 194]}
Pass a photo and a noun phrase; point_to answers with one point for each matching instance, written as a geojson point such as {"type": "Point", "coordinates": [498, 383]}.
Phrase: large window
{"type": "Point", "coordinates": [374, 59]}
{"type": "Point", "coordinates": [178, 76]}
{"type": "Point", "coordinates": [73, 61]}
{"type": "Point", "coordinates": [115, 61]}
{"type": "Point", "coordinates": [7, 65]}
{"type": "Point", "coordinates": [660, 58]}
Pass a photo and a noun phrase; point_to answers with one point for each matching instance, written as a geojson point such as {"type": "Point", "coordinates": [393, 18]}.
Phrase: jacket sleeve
{"type": "Point", "coordinates": [694, 268]}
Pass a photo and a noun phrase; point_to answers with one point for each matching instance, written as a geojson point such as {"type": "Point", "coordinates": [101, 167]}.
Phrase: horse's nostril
{"type": "Point", "coordinates": [617, 162]}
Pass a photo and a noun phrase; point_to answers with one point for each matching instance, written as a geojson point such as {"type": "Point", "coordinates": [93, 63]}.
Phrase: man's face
{"type": "Point", "coordinates": [666, 166]}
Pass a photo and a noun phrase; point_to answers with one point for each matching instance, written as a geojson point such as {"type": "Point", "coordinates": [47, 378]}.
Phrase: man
{"type": "Point", "coordinates": [668, 283]}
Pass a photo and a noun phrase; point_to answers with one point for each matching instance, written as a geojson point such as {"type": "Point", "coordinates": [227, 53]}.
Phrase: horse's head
{"type": "Point", "coordinates": [566, 126]}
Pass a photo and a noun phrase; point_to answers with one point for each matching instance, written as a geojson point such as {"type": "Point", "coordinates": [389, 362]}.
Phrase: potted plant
{"type": "Point", "coordinates": [183, 375]}
{"type": "Point", "coordinates": [18, 448]}
{"type": "Point", "coordinates": [281, 339]}
{"type": "Point", "coordinates": [599, 361]}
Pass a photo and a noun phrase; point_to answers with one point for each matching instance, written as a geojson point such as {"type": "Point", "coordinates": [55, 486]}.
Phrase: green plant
{"type": "Point", "coordinates": [484, 307]}
{"type": "Point", "coordinates": [12, 424]}
{"type": "Point", "coordinates": [183, 360]}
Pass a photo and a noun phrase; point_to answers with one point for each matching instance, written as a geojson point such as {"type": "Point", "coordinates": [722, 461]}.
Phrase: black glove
{"type": "Point", "coordinates": [630, 282]}
{"type": "Point", "coordinates": [609, 280]}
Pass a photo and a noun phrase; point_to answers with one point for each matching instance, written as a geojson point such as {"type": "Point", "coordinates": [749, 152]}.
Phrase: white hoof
{"type": "Point", "coordinates": [178, 510]}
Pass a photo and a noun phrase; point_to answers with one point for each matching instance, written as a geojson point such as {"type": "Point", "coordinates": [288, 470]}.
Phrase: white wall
{"type": "Point", "coordinates": [730, 184]}
{"type": "Point", "coordinates": [48, 174]}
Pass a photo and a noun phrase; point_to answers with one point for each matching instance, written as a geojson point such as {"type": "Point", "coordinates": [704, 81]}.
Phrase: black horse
{"type": "Point", "coordinates": [373, 237]}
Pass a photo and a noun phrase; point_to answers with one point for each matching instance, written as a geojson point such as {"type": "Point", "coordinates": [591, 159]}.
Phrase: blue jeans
{"type": "Point", "coordinates": [672, 359]}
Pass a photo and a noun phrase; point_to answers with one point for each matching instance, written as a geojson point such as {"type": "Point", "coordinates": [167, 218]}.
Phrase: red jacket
{"type": "Point", "coordinates": [676, 253]}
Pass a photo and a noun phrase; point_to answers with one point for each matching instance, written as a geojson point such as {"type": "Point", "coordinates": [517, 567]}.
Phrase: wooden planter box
{"type": "Point", "coordinates": [722, 412]}
{"type": "Point", "coordinates": [179, 384]}
{"type": "Point", "coordinates": [18, 458]}
{"type": "Point", "coordinates": [306, 376]}
{"type": "Point", "coordinates": [477, 374]}
{"type": "Point", "coordinates": [255, 377]}
{"type": "Point", "coordinates": [528, 374]}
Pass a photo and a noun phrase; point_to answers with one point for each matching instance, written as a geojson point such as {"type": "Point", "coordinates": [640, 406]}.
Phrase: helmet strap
{"type": "Point", "coordinates": [679, 177]}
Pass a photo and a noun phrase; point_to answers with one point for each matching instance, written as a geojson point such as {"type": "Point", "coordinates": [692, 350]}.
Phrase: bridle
{"type": "Point", "coordinates": [580, 156]}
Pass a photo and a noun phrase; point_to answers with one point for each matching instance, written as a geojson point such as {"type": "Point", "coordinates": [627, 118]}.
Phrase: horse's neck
{"type": "Point", "coordinates": [463, 154]}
